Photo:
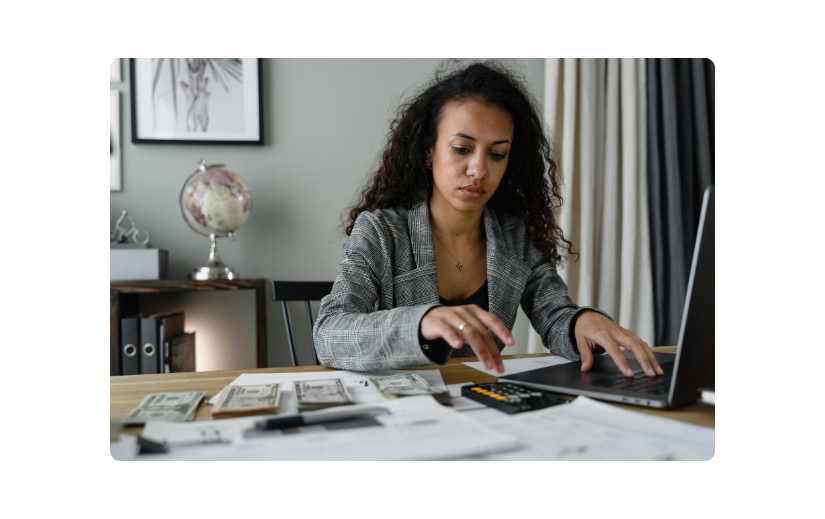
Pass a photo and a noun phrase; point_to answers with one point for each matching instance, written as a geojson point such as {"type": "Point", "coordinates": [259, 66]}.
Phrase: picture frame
{"type": "Point", "coordinates": [114, 71]}
{"type": "Point", "coordinates": [197, 100]}
{"type": "Point", "coordinates": [114, 141]}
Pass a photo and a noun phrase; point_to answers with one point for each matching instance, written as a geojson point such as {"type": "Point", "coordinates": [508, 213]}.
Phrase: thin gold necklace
{"type": "Point", "coordinates": [457, 262]}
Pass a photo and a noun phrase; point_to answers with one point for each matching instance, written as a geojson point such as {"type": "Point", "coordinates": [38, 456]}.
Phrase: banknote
{"type": "Point", "coordinates": [247, 401]}
{"type": "Point", "coordinates": [167, 407]}
{"type": "Point", "coordinates": [311, 395]}
{"type": "Point", "coordinates": [407, 384]}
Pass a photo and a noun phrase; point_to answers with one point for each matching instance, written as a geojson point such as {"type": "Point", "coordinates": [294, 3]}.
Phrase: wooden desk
{"type": "Point", "coordinates": [123, 301]}
{"type": "Point", "coordinates": [126, 392]}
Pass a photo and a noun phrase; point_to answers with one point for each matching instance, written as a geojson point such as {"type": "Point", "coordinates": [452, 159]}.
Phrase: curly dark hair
{"type": "Point", "coordinates": [530, 188]}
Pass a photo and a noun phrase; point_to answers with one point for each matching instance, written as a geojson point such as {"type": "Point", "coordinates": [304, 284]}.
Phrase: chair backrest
{"type": "Point", "coordinates": [306, 291]}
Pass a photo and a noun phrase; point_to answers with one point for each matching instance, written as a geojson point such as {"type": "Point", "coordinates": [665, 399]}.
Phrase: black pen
{"type": "Point", "coordinates": [316, 417]}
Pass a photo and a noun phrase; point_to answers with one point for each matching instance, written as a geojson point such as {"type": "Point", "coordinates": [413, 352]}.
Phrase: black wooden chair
{"type": "Point", "coordinates": [306, 291]}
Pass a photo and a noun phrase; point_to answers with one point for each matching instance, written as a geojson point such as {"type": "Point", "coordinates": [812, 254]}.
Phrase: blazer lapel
{"type": "Point", "coordinates": [421, 238]}
{"type": "Point", "coordinates": [506, 277]}
{"type": "Point", "coordinates": [420, 285]}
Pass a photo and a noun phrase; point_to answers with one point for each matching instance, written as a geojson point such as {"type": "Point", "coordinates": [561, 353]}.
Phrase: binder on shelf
{"type": "Point", "coordinates": [169, 325]}
{"type": "Point", "coordinates": [149, 363]}
{"type": "Point", "coordinates": [181, 349]}
{"type": "Point", "coordinates": [130, 346]}
{"type": "Point", "coordinates": [153, 328]}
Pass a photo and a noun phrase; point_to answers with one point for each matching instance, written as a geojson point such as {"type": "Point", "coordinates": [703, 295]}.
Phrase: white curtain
{"type": "Point", "coordinates": [595, 110]}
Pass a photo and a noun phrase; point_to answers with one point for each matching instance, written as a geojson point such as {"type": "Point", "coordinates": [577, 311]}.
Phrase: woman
{"type": "Point", "coordinates": [455, 231]}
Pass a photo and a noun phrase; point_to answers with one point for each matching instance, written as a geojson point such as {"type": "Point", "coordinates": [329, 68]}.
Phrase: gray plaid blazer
{"type": "Point", "coordinates": [387, 281]}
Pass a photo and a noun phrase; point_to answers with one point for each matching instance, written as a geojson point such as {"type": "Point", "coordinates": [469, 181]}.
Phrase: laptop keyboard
{"type": "Point", "coordinates": [640, 382]}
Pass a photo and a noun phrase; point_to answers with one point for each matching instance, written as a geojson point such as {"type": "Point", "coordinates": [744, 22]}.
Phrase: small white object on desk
{"type": "Point", "coordinates": [460, 402]}
{"type": "Point", "coordinates": [708, 395]}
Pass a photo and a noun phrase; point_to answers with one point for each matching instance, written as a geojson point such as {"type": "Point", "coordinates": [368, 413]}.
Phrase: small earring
{"type": "Point", "coordinates": [429, 164]}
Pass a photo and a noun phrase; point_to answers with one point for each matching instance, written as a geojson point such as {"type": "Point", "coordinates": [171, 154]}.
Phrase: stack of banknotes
{"type": "Point", "coordinates": [311, 395]}
{"type": "Point", "coordinates": [168, 407]}
{"type": "Point", "coordinates": [407, 384]}
{"type": "Point", "coordinates": [247, 401]}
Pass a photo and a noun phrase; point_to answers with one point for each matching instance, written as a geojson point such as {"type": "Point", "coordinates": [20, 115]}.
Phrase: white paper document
{"type": "Point", "coordinates": [462, 403]}
{"type": "Point", "coordinates": [126, 448]}
{"type": "Point", "coordinates": [513, 366]}
{"type": "Point", "coordinates": [591, 430]}
{"type": "Point", "coordinates": [413, 428]}
{"type": "Point", "coordinates": [356, 382]}
{"type": "Point", "coordinates": [420, 428]}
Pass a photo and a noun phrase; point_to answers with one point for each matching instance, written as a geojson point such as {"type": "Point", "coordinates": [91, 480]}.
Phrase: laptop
{"type": "Point", "coordinates": [693, 365]}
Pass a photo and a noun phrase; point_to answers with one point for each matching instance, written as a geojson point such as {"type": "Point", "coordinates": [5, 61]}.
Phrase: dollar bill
{"type": "Point", "coordinates": [311, 395]}
{"type": "Point", "coordinates": [407, 384]}
{"type": "Point", "coordinates": [247, 401]}
{"type": "Point", "coordinates": [167, 407]}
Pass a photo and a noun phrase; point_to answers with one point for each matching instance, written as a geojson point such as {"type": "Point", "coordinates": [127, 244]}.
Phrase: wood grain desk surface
{"type": "Point", "coordinates": [126, 392]}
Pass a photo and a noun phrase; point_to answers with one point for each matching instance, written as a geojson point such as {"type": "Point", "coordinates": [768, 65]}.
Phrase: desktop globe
{"type": "Point", "coordinates": [215, 202]}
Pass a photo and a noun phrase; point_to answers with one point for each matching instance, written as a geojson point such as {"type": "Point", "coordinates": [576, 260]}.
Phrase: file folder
{"type": "Point", "coordinates": [170, 326]}
{"type": "Point", "coordinates": [129, 346]}
{"type": "Point", "coordinates": [149, 363]}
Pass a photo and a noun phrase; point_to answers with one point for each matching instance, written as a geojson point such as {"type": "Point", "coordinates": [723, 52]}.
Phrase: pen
{"type": "Point", "coordinates": [316, 417]}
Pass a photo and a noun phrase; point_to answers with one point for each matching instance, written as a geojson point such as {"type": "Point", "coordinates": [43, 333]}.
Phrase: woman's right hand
{"type": "Point", "coordinates": [444, 322]}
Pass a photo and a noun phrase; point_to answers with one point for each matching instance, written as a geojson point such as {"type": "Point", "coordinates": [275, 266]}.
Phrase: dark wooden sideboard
{"type": "Point", "coordinates": [124, 300]}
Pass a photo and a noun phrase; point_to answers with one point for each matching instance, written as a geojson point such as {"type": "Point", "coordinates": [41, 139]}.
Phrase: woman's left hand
{"type": "Point", "coordinates": [593, 330]}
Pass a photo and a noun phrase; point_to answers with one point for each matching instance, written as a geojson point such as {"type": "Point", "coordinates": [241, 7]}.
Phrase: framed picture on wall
{"type": "Point", "coordinates": [197, 100]}
{"type": "Point", "coordinates": [114, 140]}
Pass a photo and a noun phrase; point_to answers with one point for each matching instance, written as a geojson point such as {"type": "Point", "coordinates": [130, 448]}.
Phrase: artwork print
{"type": "Point", "coordinates": [209, 100]}
{"type": "Point", "coordinates": [114, 140]}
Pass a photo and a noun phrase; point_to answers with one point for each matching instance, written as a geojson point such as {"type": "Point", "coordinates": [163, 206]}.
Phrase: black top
{"type": "Point", "coordinates": [432, 348]}
{"type": "Point", "coordinates": [480, 298]}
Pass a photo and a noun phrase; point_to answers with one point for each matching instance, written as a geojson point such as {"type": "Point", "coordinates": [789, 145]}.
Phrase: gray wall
{"type": "Point", "coordinates": [325, 123]}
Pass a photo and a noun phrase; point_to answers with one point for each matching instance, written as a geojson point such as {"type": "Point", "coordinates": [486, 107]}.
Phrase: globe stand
{"type": "Point", "coordinates": [215, 268]}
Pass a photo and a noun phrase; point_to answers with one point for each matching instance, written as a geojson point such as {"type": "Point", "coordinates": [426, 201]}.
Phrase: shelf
{"type": "Point", "coordinates": [124, 295]}
{"type": "Point", "coordinates": [183, 285]}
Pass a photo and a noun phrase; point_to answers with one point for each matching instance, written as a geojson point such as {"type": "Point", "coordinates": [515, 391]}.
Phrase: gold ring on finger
{"type": "Point", "coordinates": [462, 325]}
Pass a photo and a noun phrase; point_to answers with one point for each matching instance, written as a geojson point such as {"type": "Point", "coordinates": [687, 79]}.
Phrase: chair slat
{"type": "Point", "coordinates": [289, 335]}
{"type": "Point", "coordinates": [306, 291]}
{"type": "Point", "coordinates": [311, 322]}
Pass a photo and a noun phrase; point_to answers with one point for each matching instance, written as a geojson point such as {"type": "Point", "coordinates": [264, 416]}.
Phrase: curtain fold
{"type": "Point", "coordinates": [680, 134]}
{"type": "Point", "coordinates": [595, 110]}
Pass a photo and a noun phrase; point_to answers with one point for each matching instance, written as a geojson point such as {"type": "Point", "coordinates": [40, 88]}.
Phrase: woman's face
{"type": "Point", "coordinates": [471, 153]}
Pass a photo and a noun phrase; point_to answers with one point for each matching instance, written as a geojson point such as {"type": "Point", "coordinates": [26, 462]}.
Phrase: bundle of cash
{"type": "Point", "coordinates": [167, 407]}
{"type": "Point", "coordinates": [247, 401]}
{"type": "Point", "coordinates": [311, 395]}
{"type": "Point", "coordinates": [407, 384]}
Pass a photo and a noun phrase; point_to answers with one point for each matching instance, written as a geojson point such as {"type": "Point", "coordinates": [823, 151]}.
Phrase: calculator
{"type": "Point", "coordinates": [511, 398]}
